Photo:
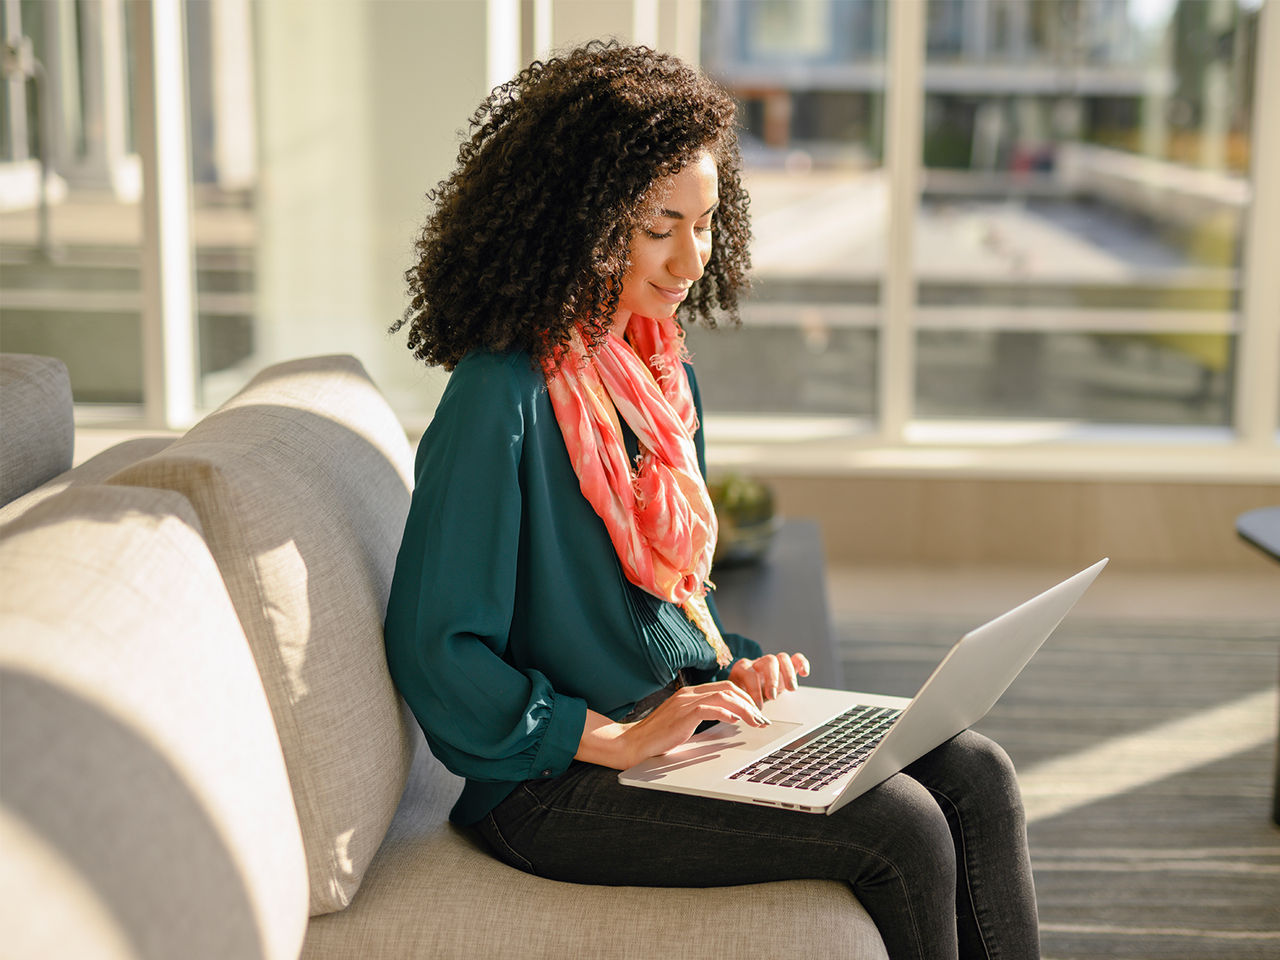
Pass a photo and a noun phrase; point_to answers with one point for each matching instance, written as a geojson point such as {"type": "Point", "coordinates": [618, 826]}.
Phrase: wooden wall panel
{"type": "Point", "coordinates": [936, 521]}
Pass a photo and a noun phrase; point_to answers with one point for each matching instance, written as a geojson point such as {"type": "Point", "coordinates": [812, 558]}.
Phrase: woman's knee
{"type": "Point", "coordinates": [975, 766]}
{"type": "Point", "coordinates": [986, 754]}
{"type": "Point", "coordinates": [908, 831]}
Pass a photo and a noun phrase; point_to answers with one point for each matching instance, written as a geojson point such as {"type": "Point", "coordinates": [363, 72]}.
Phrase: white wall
{"type": "Point", "coordinates": [360, 109]}
{"type": "Point", "coordinates": [362, 106]}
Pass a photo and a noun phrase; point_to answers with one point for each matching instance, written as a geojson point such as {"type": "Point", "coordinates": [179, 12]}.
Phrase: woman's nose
{"type": "Point", "coordinates": [690, 258]}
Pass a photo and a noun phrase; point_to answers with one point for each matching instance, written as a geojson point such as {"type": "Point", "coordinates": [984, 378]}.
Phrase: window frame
{"type": "Point", "coordinates": [898, 439]}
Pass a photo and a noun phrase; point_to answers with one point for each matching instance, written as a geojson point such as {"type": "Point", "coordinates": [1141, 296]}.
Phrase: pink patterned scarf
{"type": "Point", "coordinates": [659, 515]}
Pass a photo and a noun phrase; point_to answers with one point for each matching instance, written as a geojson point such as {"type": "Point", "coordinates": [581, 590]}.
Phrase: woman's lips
{"type": "Point", "coordinates": [671, 294]}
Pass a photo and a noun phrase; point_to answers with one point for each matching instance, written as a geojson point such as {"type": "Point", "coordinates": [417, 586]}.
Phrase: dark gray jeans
{"type": "Point", "coordinates": [937, 854]}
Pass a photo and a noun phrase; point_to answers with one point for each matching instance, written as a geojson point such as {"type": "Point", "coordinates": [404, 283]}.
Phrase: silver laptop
{"type": "Point", "coordinates": [825, 747]}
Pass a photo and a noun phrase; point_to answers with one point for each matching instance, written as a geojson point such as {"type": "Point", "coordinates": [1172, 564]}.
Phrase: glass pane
{"type": "Point", "coordinates": [224, 173]}
{"type": "Point", "coordinates": [1155, 378]}
{"type": "Point", "coordinates": [311, 159]}
{"type": "Point", "coordinates": [814, 367]}
{"type": "Point", "coordinates": [809, 77]}
{"type": "Point", "coordinates": [1086, 185]}
{"type": "Point", "coordinates": [70, 271]}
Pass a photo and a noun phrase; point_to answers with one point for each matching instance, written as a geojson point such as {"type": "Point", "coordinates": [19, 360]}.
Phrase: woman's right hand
{"type": "Point", "coordinates": [623, 745]}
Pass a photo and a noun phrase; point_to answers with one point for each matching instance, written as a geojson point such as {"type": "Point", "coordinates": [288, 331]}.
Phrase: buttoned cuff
{"type": "Point", "coordinates": [561, 739]}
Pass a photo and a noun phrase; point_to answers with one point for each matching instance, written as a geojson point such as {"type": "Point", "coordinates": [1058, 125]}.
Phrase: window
{"type": "Point", "coordinates": [1085, 189]}
{"type": "Point", "coordinates": [1078, 251]}
{"type": "Point", "coordinates": [810, 80]}
{"type": "Point", "coordinates": [70, 270]}
{"type": "Point", "coordinates": [1080, 195]}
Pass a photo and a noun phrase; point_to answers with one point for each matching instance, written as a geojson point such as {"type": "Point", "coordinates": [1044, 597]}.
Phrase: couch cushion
{"type": "Point", "coordinates": [301, 483]}
{"type": "Point", "coordinates": [146, 806]}
{"type": "Point", "coordinates": [37, 425]}
{"type": "Point", "coordinates": [92, 471]}
{"type": "Point", "coordinates": [472, 905]}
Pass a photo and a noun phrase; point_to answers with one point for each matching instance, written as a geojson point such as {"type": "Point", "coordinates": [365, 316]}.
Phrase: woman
{"type": "Point", "coordinates": [550, 620]}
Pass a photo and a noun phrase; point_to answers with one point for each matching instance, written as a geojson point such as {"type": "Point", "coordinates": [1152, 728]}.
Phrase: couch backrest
{"type": "Point", "coordinates": [301, 484]}
{"type": "Point", "coordinates": [37, 426]}
{"type": "Point", "coordinates": [146, 807]}
{"type": "Point", "coordinates": [93, 471]}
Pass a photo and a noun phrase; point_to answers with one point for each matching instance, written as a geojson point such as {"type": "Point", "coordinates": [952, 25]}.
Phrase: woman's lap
{"type": "Point", "coordinates": [893, 844]}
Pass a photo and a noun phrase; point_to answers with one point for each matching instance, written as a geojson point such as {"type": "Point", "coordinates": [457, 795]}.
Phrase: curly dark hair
{"type": "Point", "coordinates": [531, 234]}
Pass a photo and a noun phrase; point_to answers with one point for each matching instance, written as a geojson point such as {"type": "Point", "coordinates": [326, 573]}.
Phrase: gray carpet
{"type": "Point", "coordinates": [1146, 756]}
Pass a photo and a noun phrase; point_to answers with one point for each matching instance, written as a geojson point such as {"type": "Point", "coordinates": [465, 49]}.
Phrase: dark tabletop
{"type": "Point", "coordinates": [1261, 528]}
{"type": "Point", "coordinates": [781, 601]}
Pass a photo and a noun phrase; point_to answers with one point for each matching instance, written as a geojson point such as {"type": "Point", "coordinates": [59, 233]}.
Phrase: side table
{"type": "Point", "coordinates": [781, 602]}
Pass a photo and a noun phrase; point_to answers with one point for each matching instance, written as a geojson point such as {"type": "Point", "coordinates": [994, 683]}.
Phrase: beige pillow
{"type": "Point", "coordinates": [147, 810]}
{"type": "Point", "coordinates": [301, 483]}
{"type": "Point", "coordinates": [92, 471]}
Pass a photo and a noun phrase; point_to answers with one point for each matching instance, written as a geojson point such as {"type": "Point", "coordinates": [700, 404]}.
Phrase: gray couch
{"type": "Point", "coordinates": [201, 753]}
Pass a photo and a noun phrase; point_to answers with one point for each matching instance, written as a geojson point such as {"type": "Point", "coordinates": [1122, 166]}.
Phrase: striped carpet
{"type": "Point", "coordinates": [1145, 753]}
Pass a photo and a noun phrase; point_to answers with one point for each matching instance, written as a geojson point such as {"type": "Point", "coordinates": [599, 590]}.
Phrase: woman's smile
{"type": "Point", "coordinates": [672, 294]}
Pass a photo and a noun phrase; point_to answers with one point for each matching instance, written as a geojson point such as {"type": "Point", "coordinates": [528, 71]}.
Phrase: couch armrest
{"type": "Point", "coordinates": [37, 426]}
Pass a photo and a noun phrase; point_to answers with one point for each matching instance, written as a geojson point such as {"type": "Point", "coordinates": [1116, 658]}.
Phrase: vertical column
{"type": "Point", "coordinates": [90, 160]}
{"type": "Point", "coordinates": [903, 140]}
{"type": "Point", "coordinates": [976, 31]}
{"type": "Point", "coordinates": [722, 41]}
{"type": "Point", "coordinates": [60, 71]}
{"type": "Point", "coordinates": [1019, 26]}
{"type": "Point", "coordinates": [168, 315]}
{"type": "Point", "coordinates": [543, 27]}
{"type": "Point", "coordinates": [777, 118]}
{"type": "Point", "coordinates": [644, 22]}
{"type": "Point", "coordinates": [1216, 113]}
{"type": "Point", "coordinates": [1257, 384]}
{"type": "Point", "coordinates": [235, 150]}
{"type": "Point", "coordinates": [502, 42]}
{"type": "Point", "coordinates": [681, 29]}
{"type": "Point", "coordinates": [15, 86]}
{"type": "Point", "coordinates": [1156, 84]}
{"type": "Point", "coordinates": [107, 161]}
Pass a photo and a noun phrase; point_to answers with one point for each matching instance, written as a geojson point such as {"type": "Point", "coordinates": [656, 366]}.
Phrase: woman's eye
{"type": "Point", "coordinates": [654, 235]}
{"type": "Point", "coordinates": [703, 228]}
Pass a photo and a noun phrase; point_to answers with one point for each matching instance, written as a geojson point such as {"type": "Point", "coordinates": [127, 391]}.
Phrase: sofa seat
{"type": "Point", "coordinates": [428, 868]}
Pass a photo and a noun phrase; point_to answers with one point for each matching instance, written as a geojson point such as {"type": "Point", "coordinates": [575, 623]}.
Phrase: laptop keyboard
{"type": "Point", "coordinates": [825, 753]}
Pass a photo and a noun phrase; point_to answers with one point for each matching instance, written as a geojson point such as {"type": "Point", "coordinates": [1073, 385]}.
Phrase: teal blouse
{"type": "Point", "coordinates": [509, 613]}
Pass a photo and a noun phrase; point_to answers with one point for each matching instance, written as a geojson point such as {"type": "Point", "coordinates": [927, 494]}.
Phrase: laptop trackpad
{"type": "Point", "coordinates": [711, 744]}
{"type": "Point", "coordinates": [739, 734]}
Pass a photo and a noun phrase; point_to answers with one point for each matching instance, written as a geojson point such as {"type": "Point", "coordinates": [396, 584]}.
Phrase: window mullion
{"type": "Point", "coordinates": [502, 41]}
{"type": "Point", "coordinates": [1257, 384]}
{"type": "Point", "coordinates": [168, 301]}
{"type": "Point", "coordinates": [904, 108]}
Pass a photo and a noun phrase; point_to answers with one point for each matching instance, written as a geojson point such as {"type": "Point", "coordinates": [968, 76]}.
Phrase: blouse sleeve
{"type": "Point", "coordinates": [453, 593]}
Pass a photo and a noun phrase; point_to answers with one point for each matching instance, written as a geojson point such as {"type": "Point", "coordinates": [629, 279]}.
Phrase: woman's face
{"type": "Point", "coordinates": [669, 254]}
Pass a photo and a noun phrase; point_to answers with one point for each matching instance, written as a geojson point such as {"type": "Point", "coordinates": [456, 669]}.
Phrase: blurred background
{"type": "Point", "coordinates": [1082, 178]}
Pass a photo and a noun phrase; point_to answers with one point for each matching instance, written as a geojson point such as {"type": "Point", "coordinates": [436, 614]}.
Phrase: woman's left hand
{"type": "Point", "coordinates": [766, 677]}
